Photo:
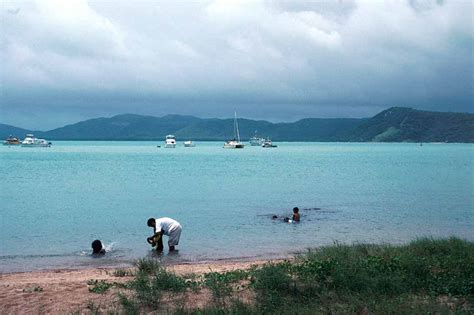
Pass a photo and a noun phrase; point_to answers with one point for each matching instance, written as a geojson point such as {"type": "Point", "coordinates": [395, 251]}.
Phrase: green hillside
{"type": "Point", "coordinates": [399, 124]}
{"type": "Point", "coordinates": [395, 124]}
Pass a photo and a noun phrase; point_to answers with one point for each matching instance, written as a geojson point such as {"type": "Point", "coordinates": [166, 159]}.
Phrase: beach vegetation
{"type": "Point", "coordinates": [146, 265]}
{"type": "Point", "coordinates": [122, 273]}
{"type": "Point", "coordinates": [99, 286]}
{"type": "Point", "coordinates": [222, 284]}
{"type": "Point", "coordinates": [34, 288]}
{"type": "Point", "coordinates": [93, 308]}
{"type": "Point", "coordinates": [424, 276]}
{"type": "Point", "coordinates": [150, 283]}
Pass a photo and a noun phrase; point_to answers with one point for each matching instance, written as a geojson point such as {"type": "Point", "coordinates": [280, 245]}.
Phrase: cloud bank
{"type": "Point", "coordinates": [63, 61]}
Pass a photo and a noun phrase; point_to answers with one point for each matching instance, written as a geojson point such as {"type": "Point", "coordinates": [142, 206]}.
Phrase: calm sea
{"type": "Point", "coordinates": [56, 201]}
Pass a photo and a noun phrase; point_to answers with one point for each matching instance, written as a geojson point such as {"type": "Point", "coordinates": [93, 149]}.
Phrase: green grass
{"type": "Point", "coordinates": [122, 273]}
{"type": "Point", "coordinates": [424, 276]}
{"type": "Point", "coordinates": [222, 284]}
{"type": "Point", "coordinates": [99, 286]}
{"type": "Point", "coordinates": [151, 281]}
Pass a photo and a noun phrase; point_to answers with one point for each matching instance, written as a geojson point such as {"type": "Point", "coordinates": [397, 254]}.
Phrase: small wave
{"type": "Point", "coordinates": [36, 256]}
{"type": "Point", "coordinates": [110, 247]}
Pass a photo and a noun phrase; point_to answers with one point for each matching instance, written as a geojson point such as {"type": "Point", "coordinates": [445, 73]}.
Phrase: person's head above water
{"type": "Point", "coordinates": [97, 247]}
{"type": "Point", "coordinates": [151, 222]}
{"type": "Point", "coordinates": [296, 210]}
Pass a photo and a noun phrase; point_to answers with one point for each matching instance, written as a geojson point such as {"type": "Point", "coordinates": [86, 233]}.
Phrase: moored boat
{"type": "Point", "coordinates": [234, 143]}
{"type": "Point", "coordinates": [256, 141]}
{"type": "Point", "coordinates": [189, 144]}
{"type": "Point", "coordinates": [170, 141]}
{"type": "Point", "coordinates": [11, 141]}
{"type": "Point", "coordinates": [268, 144]}
{"type": "Point", "coordinates": [31, 141]}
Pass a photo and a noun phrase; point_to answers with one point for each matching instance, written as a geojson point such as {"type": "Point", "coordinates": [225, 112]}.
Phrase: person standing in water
{"type": "Point", "coordinates": [164, 226]}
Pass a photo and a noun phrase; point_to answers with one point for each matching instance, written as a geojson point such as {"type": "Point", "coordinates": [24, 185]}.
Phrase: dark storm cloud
{"type": "Point", "coordinates": [276, 60]}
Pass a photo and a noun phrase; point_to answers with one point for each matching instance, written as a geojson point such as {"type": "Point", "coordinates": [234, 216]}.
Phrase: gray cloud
{"type": "Point", "coordinates": [273, 60]}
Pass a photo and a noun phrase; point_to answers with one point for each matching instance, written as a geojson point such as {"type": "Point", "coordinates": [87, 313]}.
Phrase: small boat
{"type": "Point", "coordinates": [170, 141]}
{"type": "Point", "coordinates": [256, 141]}
{"type": "Point", "coordinates": [189, 144]}
{"type": "Point", "coordinates": [268, 144]}
{"type": "Point", "coordinates": [31, 142]}
{"type": "Point", "coordinates": [234, 144]}
{"type": "Point", "coordinates": [11, 141]}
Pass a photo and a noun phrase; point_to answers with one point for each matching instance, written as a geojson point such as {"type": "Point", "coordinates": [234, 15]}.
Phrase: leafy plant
{"type": "Point", "coordinates": [99, 286]}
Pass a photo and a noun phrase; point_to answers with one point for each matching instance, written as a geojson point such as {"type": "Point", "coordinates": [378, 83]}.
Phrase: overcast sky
{"type": "Point", "coordinates": [66, 61]}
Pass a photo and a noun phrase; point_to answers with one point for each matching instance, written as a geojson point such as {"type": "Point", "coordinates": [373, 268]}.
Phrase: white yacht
{"type": "Point", "coordinates": [170, 141]}
{"type": "Point", "coordinates": [268, 144]}
{"type": "Point", "coordinates": [234, 144]}
{"type": "Point", "coordinates": [256, 141]}
{"type": "Point", "coordinates": [31, 141]}
{"type": "Point", "coordinates": [189, 144]}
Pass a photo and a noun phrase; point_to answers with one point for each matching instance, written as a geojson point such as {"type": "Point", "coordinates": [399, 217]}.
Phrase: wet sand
{"type": "Point", "coordinates": [66, 291]}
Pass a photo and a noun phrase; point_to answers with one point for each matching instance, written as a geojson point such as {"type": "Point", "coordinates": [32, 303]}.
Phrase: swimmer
{"type": "Point", "coordinates": [97, 248]}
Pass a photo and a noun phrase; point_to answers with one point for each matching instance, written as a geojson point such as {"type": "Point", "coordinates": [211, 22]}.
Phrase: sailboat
{"type": "Point", "coordinates": [234, 144]}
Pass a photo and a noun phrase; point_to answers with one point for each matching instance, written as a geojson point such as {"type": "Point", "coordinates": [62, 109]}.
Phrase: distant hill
{"type": "Point", "coordinates": [396, 124]}
{"type": "Point", "coordinates": [400, 124]}
{"type": "Point", "coordinates": [7, 130]}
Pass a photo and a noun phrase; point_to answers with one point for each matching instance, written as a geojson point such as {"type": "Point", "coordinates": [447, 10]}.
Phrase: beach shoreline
{"type": "Point", "coordinates": [60, 291]}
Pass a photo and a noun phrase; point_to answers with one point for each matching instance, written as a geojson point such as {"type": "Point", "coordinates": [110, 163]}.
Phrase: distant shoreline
{"type": "Point", "coordinates": [179, 141]}
{"type": "Point", "coordinates": [395, 124]}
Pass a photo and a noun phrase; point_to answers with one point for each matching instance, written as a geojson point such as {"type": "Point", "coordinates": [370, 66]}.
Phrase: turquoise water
{"type": "Point", "coordinates": [55, 201]}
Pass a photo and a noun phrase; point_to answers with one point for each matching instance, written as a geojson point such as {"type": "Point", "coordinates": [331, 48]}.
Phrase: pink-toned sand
{"type": "Point", "coordinates": [67, 291]}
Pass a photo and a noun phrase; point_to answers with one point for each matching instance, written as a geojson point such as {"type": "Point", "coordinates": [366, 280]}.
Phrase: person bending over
{"type": "Point", "coordinates": [164, 226]}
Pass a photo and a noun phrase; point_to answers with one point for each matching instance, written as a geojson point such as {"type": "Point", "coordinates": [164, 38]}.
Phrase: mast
{"type": "Point", "coordinates": [236, 126]}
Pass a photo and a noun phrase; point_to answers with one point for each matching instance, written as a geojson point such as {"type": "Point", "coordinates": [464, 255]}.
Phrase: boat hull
{"type": "Point", "coordinates": [233, 146]}
{"type": "Point", "coordinates": [36, 145]}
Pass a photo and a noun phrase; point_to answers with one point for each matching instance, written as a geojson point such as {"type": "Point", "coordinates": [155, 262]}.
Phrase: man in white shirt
{"type": "Point", "coordinates": [164, 226]}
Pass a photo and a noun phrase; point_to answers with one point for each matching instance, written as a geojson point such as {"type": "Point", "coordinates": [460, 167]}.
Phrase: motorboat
{"type": "Point", "coordinates": [170, 141]}
{"type": "Point", "coordinates": [189, 144]}
{"type": "Point", "coordinates": [31, 141]}
{"type": "Point", "coordinates": [268, 144]}
{"type": "Point", "coordinates": [11, 141]}
{"type": "Point", "coordinates": [256, 141]}
{"type": "Point", "coordinates": [235, 142]}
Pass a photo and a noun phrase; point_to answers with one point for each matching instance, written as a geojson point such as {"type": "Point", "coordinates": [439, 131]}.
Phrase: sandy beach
{"type": "Point", "coordinates": [66, 291]}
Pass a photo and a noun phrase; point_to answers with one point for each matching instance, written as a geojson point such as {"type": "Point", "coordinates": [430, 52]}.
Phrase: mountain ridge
{"type": "Point", "coordinates": [396, 124]}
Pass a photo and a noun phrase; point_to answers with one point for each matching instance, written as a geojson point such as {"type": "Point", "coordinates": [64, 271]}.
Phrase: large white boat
{"type": "Point", "coordinates": [189, 144]}
{"type": "Point", "coordinates": [170, 141]}
{"type": "Point", "coordinates": [234, 143]}
{"type": "Point", "coordinates": [32, 142]}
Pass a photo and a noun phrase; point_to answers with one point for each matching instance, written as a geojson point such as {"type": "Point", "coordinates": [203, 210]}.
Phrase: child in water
{"type": "Point", "coordinates": [296, 214]}
{"type": "Point", "coordinates": [97, 248]}
{"type": "Point", "coordinates": [295, 217]}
